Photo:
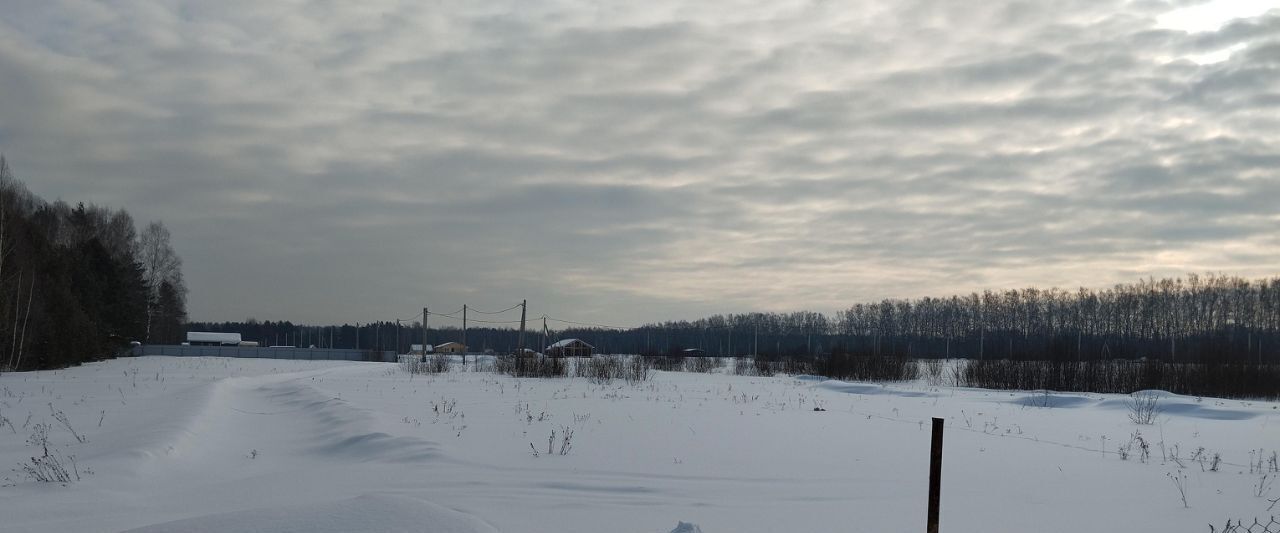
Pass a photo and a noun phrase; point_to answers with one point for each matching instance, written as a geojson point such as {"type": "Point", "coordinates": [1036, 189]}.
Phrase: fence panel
{"type": "Point", "coordinates": [319, 354]}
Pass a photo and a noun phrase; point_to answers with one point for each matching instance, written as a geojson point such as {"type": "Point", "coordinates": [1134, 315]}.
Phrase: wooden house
{"type": "Point", "coordinates": [570, 348]}
{"type": "Point", "coordinates": [451, 347]}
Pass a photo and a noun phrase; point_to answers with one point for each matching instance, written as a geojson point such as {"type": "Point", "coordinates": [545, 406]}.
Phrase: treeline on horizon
{"type": "Point", "coordinates": [1196, 319]}
{"type": "Point", "coordinates": [81, 283]}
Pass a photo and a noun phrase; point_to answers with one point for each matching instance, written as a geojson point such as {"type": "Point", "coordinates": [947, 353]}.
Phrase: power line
{"type": "Point", "coordinates": [419, 315]}
{"type": "Point", "coordinates": [469, 319]}
{"type": "Point", "coordinates": [474, 310]}
{"type": "Point", "coordinates": [454, 315]}
{"type": "Point", "coordinates": [449, 315]}
{"type": "Point", "coordinates": [587, 324]}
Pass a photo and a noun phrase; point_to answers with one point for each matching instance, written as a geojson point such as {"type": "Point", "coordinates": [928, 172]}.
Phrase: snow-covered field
{"type": "Point", "coordinates": [207, 444]}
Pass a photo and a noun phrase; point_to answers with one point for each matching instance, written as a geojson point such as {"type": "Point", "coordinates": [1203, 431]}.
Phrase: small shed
{"type": "Point", "coordinates": [451, 347]}
{"type": "Point", "coordinates": [570, 348]}
{"type": "Point", "coordinates": [419, 349]}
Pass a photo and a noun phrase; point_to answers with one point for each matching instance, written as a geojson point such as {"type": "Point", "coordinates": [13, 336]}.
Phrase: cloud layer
{"type": "Point", "coordinates": [624, 162]}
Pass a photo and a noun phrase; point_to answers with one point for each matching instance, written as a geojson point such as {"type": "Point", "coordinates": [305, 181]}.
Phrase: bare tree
{"type": "Point", "coordinates": [27, 317]}
{"type": "Point", "coordinates": [160, 265]}
{"type": "Point", "coordinates": [118, 235]}
{"type": "Point", "coordinates": [6, 177]}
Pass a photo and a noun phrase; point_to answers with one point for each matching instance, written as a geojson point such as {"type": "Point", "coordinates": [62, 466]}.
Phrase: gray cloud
{"type": "Point", "coordinates": [624, 162]}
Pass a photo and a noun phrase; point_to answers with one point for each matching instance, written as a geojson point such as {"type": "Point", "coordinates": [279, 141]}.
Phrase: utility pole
{"type": "Point", "coordinates": [524, 307]}
{"type": "Point", "coordinates": [425, 314]}
{"type": "Point", "coordinates": [544, 332]}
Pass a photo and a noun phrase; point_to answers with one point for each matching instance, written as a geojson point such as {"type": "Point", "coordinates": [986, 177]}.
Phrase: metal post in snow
{"type": "Point", "coordinates": [935, 476]}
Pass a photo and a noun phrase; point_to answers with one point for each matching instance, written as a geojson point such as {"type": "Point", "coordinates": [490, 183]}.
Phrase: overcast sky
{"type": "Point", "coordinates": [622, 162]}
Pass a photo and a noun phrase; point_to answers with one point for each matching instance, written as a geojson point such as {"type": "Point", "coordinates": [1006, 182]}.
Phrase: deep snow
{"type": "Point", "coordinates": [207, 444]}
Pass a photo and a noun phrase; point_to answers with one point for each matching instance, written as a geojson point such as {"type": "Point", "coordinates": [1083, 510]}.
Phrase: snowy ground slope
{"type": "Point", "coordinates": [205, 444]}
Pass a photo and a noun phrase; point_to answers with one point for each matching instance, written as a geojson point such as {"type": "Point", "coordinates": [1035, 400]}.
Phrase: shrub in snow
{"type": "Point", "coordinates": [49, 467]}
{"type": "Point", "coordinates": [932, 370]}
{"type": "Point", "coordinates": [431, 364]}
{"type": "Point", "coordinates": [702, 364]}
{"type": "Point", "coordinates": [1144, 407]}
{"type": "Point", "coordinates": [566, 442]}
{"type": "Point", "coordinates": [860, 367]}
{"type": "Point", "coordinates": [1180, 481]}
{"type": "Point", "coordinates": [668, 363]}
{"type": "Point", "coordinates": [1119, 376]}
{"type": "Point", "coordinates": [745, 366]}
{"type": "Point", "coordinates": [539, 366]}
{"type": "Point", "coordinates": [794, 366]}
{"type": "Point", "coordinates": [606, 368]}
{"type": "Point", "coordinates": [66, 423]}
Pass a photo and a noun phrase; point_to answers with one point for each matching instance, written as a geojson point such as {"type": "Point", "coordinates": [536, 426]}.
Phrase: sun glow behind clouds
{"type": "Point", "coordinates": [1217, 56]}
{"type": "Point", "coordinates": [1212, 15]}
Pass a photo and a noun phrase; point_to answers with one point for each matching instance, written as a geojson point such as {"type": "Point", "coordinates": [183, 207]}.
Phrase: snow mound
{"type": "Point", "coordinates": [685, 527]}
{"type": "Point", "coordinates": [1182, 406]}
{"type": "Point", "coordinates": [340, 431]}
{"type": "Point", "coordinates": [1156, 392]}
{"type": "Point", "coordinates": [1168, 404]}
{"type": "Point", "coordinates": [1052, 399]}
{"type": "Point", "coordinates": [846, 387]}
{"type": "Point", "coordinates": [371, 513]}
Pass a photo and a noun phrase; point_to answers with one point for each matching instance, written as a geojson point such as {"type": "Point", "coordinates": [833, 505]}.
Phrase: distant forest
{"type": "Point", "coordinates": [1195, 319]}
{"type": "Point", "coordinates": [81, 283]}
